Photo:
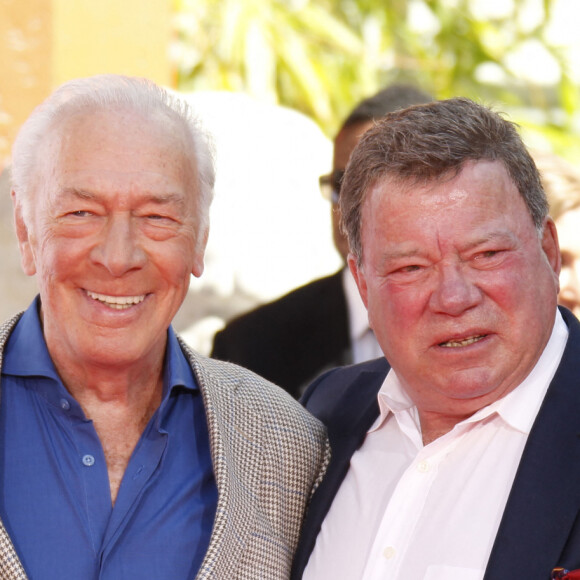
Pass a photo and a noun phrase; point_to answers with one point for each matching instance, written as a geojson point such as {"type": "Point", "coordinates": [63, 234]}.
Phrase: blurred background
{"type": "Point", "coordinates": [272, 80]}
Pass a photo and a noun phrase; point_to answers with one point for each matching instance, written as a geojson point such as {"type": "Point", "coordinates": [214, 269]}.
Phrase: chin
{"type": "Point", "coordinates": [469, 387]}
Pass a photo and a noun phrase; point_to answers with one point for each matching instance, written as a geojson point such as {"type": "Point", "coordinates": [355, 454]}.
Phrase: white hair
{"type": "Point", "coordinates": [110, 92]}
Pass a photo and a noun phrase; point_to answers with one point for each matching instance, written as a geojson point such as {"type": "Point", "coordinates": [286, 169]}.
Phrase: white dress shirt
{"type": "Point", "coordinates": [362, 339]}
{"type": "Point", "coordinates": [411, 512]}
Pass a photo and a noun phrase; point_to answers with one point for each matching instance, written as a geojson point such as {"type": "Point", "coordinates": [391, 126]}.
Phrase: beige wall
{"type": "Point", "coordinates": [46, 42]}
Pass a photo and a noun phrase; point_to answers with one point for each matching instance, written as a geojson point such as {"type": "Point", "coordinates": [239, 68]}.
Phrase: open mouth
{"type": "Point", "coordinates": [116, 302]}
{"type": "Point", "coordinates": [463, 342]}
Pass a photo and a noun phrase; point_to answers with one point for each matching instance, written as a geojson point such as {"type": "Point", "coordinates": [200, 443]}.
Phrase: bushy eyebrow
{"type": "Point", "coordinates": [80, 193]}
{"type": "Point", "coordinates": [399, 255]}
{"type": "Point", "coordinates": [501, 236]}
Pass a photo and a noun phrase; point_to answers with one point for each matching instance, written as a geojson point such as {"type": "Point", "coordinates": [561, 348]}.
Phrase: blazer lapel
{"type": "Point", "coordinates": [540, 516]}
{"type": "Point", "coordinates": [235, 441]}
{"type": "Point", "coordinates": [346, 432]}
{"type": "Point", "coordinates": [235, 435]}
{"type": "Point", "coordinates": [10, 566]}
{"type": "Point", "coordinates": [545, 497]}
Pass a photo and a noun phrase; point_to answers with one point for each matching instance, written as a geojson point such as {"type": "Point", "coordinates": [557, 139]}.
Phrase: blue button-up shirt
{"type": "Point", "coordinates": [55, 499]}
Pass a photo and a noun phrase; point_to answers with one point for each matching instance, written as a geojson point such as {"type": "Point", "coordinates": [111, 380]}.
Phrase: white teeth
{"type": "Point", "coordinates": [117, 302]}
{"type": "Point", "coordinates": [464, 342]}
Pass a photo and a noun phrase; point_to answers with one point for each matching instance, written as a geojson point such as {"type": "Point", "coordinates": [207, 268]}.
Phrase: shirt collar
{"type": "Point", "coordinates": [518, 408]}
{"type": "Point", "coordinates": [357, 313]}
{"type": "Point", "coordinates": [30, 357]}
{"type": "Point", "coordinates": [178, 371]}
{"type": "Point", "coordinates": [26, 353]}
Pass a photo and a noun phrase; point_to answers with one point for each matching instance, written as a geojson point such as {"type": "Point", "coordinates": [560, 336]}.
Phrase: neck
{"type": "Point", "coordinates": [127, 385]}
{"type": "Point", "coordinates": [435, 425]}
{"type": "Point", "coordinates": [120, 405]}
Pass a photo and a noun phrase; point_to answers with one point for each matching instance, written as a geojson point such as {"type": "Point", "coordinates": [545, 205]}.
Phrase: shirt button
{"type": "Point", "coordinates": [88, 460]}
{"type": "Point", "coordinates": [423, 467]}
{"type": "Point", "coordinates": [389, 552]}
{"type": "Point", "coordinates": [64, 405]}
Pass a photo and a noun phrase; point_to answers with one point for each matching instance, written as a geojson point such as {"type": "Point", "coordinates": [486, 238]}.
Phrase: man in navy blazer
{"type": "Point", "coordinates": [459, 458]}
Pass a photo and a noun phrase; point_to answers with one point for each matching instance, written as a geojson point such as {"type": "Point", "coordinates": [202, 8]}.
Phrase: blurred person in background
{"type": "Point", "coordinates": [322, 324]}
{"type": "Point", "coordinates": [561, 181]}
{"type": "Point", "coordinates": [124, 453]}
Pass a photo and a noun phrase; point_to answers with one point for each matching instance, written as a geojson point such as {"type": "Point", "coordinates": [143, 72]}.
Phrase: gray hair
{"type": "Point", "coordinates": [426, 142]}
{"type": "Point", "coordinates": [110, 93]}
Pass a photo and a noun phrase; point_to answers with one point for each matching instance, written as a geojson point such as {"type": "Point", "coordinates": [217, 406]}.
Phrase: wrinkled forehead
{"type": "Point", "coordinates": [474, 184]}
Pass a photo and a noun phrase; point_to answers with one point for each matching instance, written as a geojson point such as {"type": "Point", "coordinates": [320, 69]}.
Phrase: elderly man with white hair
{"type": "Point", "coordinates": [124, 453]}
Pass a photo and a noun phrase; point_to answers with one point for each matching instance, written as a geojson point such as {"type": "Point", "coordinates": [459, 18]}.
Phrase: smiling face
{"type": "Point", "coordinates": [460, 289]}
{"type": "Point", "coordinates": [112, 236]}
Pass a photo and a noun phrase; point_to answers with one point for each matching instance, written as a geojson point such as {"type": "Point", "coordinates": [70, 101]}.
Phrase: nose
{"type": "Point", "coordinates": [454, 292]}
{"type": "Point", "coordinates": [118, 248]}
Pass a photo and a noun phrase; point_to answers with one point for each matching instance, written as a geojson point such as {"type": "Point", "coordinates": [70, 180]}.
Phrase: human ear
{"type": "Point", "coordinates": [551, 247]}
{"type": "Point", "coordinates": [200, 246]}
{"type": "Point", "coordinates": [359, 277]}
{"type": "Point", "coordinates": [22, 233]}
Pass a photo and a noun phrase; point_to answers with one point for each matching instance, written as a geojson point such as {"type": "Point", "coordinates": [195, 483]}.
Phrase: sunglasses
{"type": "Point", "coordinates": [330, 185]}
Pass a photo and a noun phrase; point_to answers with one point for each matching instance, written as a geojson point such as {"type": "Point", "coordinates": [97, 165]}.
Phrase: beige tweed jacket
{"type": "Point", "coordinates": [268, 457]}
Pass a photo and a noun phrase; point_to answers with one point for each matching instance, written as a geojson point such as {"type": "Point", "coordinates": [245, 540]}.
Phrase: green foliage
{"type": "Point", "coordinates": [322, 56]}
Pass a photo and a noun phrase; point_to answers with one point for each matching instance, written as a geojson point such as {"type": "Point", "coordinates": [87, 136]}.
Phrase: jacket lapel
{"type": "Point", "coordinates": [235, 441]}
{"type": "Point", "coordinates": [235, 435]}
{"type": "Point", "coordinates": [346, 432]}
{"type": "Point", "coordinates": [10, 566]}
{"type": "Point", "coordinates": [540, 516]}
{"type": "Point", "coordinates": [545, 497]}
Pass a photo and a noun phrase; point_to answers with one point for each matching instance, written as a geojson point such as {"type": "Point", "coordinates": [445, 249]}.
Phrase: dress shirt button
{"type": "Point", "coordinates": [389, 552]}
{"type": "Point", "coordinates": [88, 460]}
{"type": "Point", "coordinates": [64, 405]}
{"type": "Point", "coordinates": [423, 467]}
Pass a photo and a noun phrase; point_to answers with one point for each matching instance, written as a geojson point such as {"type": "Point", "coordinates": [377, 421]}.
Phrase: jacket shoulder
{"type": "Point", "coordinates": [5, 329]}
{"type": "Point", "coordinates": [335, 389]}
{"type": "Point", "coordinates": [312, 299]}
{"type": "Point", "coordinates": [224, 381]}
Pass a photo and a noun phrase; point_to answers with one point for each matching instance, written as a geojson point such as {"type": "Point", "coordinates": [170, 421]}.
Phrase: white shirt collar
{"type": "Point", "coordinates": [518, 408]}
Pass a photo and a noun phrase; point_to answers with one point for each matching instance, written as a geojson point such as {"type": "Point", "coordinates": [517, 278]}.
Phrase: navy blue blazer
{"type": "Point", "coordinates": [292, 340]}
{"type": "Point", "coordinates": [540, 527]}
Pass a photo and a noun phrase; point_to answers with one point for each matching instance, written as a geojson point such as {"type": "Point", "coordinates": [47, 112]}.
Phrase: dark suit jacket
{"type": "Point", "coordinates": [540, 528]}
{"type": "Point", "coordinates": [294, 339]}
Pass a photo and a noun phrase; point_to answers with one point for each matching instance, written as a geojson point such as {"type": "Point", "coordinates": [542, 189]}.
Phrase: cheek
{"type": "Point", "coordinates": [49, 254]}
{"type": "Point", "coordinates": [505, 291]}
{"type": "Point", "coordinates": [511, 285]}
{"type": "Point", "coordinates": [393, 310]}
{"type": "Point", "coordinates": [60, 259]}
{"type": "Point", "coordinates": [174, 264]}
